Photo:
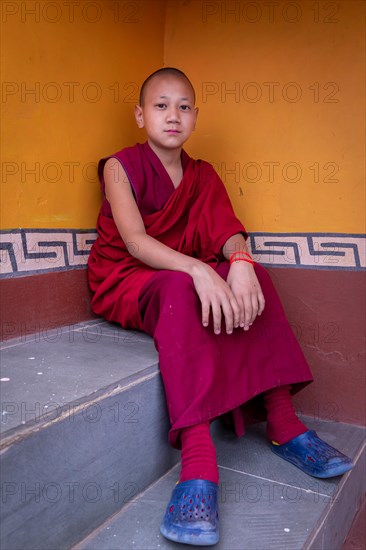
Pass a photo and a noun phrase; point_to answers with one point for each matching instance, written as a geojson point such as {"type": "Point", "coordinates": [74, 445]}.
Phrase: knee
{"type": "Point", "coordinates": [177, 284]}
{"type": "Point", "coordinates": [177, 295]}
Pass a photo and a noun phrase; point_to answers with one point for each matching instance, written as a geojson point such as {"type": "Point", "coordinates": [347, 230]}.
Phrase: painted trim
{"type": "Point", "coordinates": [310, 250]}
{"type": "Point", "coordinates": [33, 251]}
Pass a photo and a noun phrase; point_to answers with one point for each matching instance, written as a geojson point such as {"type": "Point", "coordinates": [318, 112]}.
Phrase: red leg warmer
{"type": "Point", "coordinates": [198, 454]}
{"type": "Point", "coordinates": [282, 422]}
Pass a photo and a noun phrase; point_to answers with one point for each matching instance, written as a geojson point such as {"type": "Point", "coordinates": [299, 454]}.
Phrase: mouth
{"type": "Point", "coordinates": [172, 131]}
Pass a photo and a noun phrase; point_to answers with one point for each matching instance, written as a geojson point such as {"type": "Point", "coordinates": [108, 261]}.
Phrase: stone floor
{"type": "Point", "coordinates": [52, 385]}
{"type": "Point", "coordinates": [265, 503]}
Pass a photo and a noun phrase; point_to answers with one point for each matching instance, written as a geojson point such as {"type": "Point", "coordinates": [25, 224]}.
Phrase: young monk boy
{"type": "Point", "coordinates": [171, 260]}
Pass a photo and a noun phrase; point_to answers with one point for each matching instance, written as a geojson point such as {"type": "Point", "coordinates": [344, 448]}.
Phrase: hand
{"type": "Point", "coordinates": [215, 293]}
{"type": "Point", "coordinates": [247, 291]}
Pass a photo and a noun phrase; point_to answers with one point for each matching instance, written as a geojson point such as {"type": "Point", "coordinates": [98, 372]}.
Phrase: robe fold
{"type": "Point", "coordinates": [196, 219]}
{"type": "Point", "coordinates": [205, 375]}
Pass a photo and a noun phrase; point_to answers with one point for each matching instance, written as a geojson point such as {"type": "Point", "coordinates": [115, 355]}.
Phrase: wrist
{"type": "Point", "coordinates": [242, 265]}
{"type": "Point", "coordinates": [193, 266]}
{"type": "Point", "coordinates": [241, 256]}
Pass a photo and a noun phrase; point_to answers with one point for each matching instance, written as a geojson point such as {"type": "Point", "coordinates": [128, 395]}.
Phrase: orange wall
{"type": "Point", "coordinates": [296, 126]}
{"type": "Point", "coordinates": [267, 142]}
{"type": "Point", "coordinates": [297, 162]}
{"type": "Point", "coordinates": [63, 129]}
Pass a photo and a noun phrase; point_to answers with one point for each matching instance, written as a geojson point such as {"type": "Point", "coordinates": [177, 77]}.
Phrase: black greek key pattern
{"type": "Point", "coordinates": [32, 251]}
{"type": "Point", "coordinates": [310, 250]}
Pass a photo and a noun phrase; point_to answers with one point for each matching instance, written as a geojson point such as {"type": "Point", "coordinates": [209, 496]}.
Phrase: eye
{"type": "Point", "coordinates": [160, 105]}
{"type": "Point", "coordinates": [185, 107]}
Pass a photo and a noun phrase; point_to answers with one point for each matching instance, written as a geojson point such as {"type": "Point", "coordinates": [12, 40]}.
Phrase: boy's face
{"type": "Point", "coordinates": [168, 113]}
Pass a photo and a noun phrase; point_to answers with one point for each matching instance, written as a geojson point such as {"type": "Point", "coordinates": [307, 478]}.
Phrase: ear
{"type": "Point", "coordinates": [139, 116]}
{"type": "Point", "coordinates": [196, 115]}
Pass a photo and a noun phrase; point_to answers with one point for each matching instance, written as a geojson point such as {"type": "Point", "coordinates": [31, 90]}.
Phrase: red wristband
{"type": "Point", "coordinates": [232, 256]}
{"type": "Point", "coordinates": [232, 260]}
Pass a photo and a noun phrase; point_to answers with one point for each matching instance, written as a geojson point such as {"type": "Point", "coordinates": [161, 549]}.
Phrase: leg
{"type": "Point", "coordinates": [292, 440]}
{"type": "Point", "coordinates": [169, 309]}
{"type": "Point", "coordinates": [191, 516]}
{"type": "Point", "coordinates": [282, 421]}
{"type": "Point", "coordinates": [198, 455]}
{"type": "Point", "coordinates": [206, 375]}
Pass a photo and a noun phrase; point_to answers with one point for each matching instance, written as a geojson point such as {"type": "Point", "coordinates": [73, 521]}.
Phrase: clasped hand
{"type": "Point", "coordinates": [239, 298]}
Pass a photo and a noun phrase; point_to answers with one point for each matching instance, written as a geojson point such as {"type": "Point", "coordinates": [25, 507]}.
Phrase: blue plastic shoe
{"type": "Point", "coordinates": [192, 515]}
{"type": "Point", "coordinates": [313, 456]}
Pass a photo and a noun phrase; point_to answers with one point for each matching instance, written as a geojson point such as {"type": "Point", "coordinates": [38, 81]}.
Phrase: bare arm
{"type": "Point", "coordinates": [131, 227]}
{"type": "Point", "coordinates": [236, 243]}
{"type": "Point", "coordinates": [213, 292]}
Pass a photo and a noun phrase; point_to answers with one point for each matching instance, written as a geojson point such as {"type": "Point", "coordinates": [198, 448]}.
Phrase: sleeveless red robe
{"type": "Point", "coordinates": [205, 375]}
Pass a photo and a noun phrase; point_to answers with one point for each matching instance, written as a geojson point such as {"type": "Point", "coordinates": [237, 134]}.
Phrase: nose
{"type": "Point", "coordinates": [173, 115]}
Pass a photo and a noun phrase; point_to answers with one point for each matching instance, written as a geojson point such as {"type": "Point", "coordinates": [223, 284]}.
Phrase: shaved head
{"type": "Point", "coordinates": [166, 71]}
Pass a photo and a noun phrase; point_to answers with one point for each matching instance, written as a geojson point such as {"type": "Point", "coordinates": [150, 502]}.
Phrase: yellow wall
{"type": "Point", "coordinates": [220, 52]}
{"type": "Point", "coordinates": [224, 51]}
{"type": "Point", "coordinates": [100, 49]}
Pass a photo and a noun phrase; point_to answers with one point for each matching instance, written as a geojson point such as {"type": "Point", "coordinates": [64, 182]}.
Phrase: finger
{"type": "Point", "coordinates": [242, 313]}
{"type": "Point", "coordinates": [216, 314]}
{"type": "Point", "coordinates": [228, 315]}
{"type": "Point", "coordinates": [262, 302]}
{"type": "Point", "coordinates": [205, 311]}
{"type": "Point", "coordinates": [236, 311]}
{"type": "Point", "coordinates": [247, 311]}
{"type": "Point", "coordinates": [255, 308]}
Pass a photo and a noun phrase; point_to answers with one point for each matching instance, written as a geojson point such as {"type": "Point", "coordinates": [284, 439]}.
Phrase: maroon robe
{"type": "Point", "coordinates": [205, 375]}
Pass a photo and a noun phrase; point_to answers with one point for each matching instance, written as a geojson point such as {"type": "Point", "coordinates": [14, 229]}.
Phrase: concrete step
{"type": "Point", "coordinates": [84, 430]}
{"type": "Point", "coordinates": [357, 534]}
{"type": "Point", "coordinates": [265, 502]}
{"type": "Point", "coordinates": [85, 457]}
